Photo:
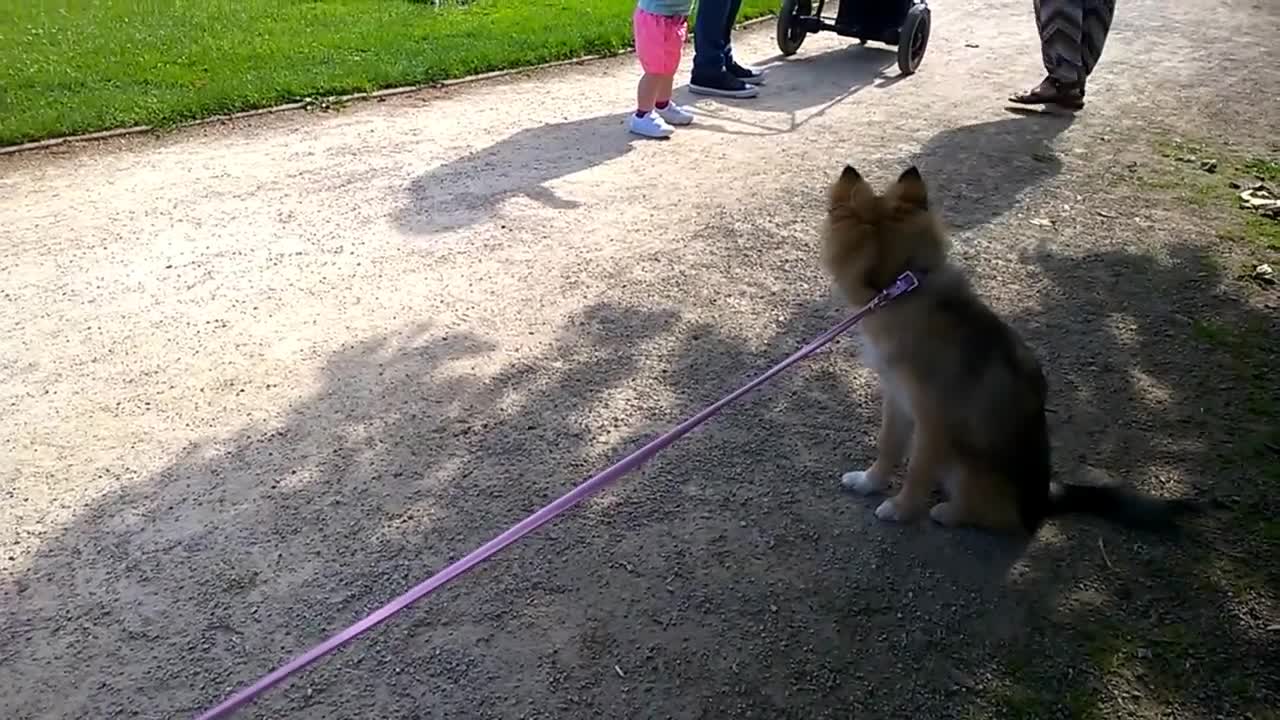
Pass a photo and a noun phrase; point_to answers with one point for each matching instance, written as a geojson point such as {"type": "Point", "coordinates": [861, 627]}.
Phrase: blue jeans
{"type": "Point", "coordinates": [712, 50]}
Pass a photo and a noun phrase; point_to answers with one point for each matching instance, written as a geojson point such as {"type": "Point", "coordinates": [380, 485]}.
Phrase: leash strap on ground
{"type": "Point", "coordinates": [904, 284]}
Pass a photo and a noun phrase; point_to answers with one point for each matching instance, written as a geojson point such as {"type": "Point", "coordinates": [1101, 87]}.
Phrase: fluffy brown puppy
{"type": "Point", "coordinates": [963, 395]}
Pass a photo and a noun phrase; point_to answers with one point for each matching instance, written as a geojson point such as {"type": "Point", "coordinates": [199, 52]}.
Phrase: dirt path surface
{"type": "Point", "coordinates": [260, 378]}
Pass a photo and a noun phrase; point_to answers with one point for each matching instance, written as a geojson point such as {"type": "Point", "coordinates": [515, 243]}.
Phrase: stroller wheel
{"type": "Point", "coordinates": [913, 38]}
{"type": "Point", "coordinates": [791, 32]}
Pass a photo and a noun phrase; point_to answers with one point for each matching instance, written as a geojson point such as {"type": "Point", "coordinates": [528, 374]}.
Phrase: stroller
{"type": "Point", "coordinates": [902, 23]}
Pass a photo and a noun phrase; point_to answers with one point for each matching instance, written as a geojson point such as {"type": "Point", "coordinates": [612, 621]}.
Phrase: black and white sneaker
{"type": "Point", "coordinates": [721, 84]}
{"type": "Point", "coordinates": [746, 73]}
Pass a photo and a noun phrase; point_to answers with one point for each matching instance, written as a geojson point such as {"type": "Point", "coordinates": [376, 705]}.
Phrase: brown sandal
{"type": "Point", "coordinates": [1053, 92]}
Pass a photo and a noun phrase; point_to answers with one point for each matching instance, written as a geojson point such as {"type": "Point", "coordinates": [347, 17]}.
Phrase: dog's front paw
{"type": "Point", "coordinates": [863, 482]}
{"type": "Point", "coordinates": [896, 510]}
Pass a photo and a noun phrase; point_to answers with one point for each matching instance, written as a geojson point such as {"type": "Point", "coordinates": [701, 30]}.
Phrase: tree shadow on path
{"type": "Point", "coordinates": [729, 577]}
{"type": "Point", "coordinates": [730, 573]}
{"type": "Point", "coordinates": [246, 550]}
{"type": "Point", "coordinates": [1145, 396]}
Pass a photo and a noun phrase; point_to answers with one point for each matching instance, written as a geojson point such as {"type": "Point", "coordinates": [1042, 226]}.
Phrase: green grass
{"type": "Point", "coordinates": [1029, 694]}
{"type": "Point", "coordinates": [1261, 168]}
{"type": "Point", "coordinates": [88, 65]}
{"type": "Point", "coordinates": [1262, 231]}
{"type": "Point", "coordinates": [1252, 359]}
{"type": "Point", "coordinates": [1130, 660]}
{"type": "Point", "coordinates": [1182, 174]}
{"type": "Point", "coordinates": [1245, 350]}
{"type": "Point", "coordinates": [1252, 356]}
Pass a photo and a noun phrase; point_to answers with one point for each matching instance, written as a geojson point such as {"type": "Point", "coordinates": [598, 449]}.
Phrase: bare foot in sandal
{"type": "Point", "coordinates": [1053, 92]}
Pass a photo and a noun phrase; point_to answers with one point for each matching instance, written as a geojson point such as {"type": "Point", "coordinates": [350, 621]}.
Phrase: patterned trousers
{"type": "Point", "coordinates": [1072, 33]}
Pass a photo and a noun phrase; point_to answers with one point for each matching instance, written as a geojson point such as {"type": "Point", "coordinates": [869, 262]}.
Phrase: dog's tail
{"type": "Point", "coordinates": [1120, 505]}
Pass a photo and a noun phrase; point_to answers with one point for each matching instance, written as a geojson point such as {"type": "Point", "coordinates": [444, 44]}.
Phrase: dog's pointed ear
{"type": "Point", "coordinates": [849, 189]}
{"type": "Point", "coordinates": [911, 189]}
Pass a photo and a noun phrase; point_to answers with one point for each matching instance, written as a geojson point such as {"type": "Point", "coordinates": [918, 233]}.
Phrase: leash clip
{"type": "Point", "coordinates": [905, 283]}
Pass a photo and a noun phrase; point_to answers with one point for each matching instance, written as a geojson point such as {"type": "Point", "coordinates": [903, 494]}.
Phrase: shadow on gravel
{"type": "Point", "coordinates": [729, 577]}
{"type": "Point", "coordinates": [1162, 380]}
{"type": "Point", "coordinates": [986, 167]}
{"type": "Point", "coordinates": [465, 191]}
{"type": "Point", "coordinates": [248, 549]}
{"type": "Point", "coordinates": [798, 90]}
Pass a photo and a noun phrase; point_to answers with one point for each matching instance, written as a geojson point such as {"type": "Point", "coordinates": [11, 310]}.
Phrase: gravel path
{"type": "Point", "coordinates": [259, 378]}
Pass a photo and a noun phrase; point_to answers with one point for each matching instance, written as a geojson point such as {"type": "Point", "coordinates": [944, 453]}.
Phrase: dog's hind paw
{"type": "Point", "coordinates": [887, 511]}
{"type": "Point", "coordinates": [863, 482]}
{"type": "Point", "coordinates": [946, 513]}
{"type": "Point", "coordinates": [893, 510]}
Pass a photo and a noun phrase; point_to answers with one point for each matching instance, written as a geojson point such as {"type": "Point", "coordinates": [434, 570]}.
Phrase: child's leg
{"type": "Point", "coordinates": [658, 49]}
{"type": "Point", "coordinates": [662, 93]}
{"type": "Point", "coordinates": [674, 34]}
{"type": "Point", "coordinates": [650, 31]}
{"type": "Point", "coordinates": [649, 92]}
{"type": "Point", "coordinates": [671, 112]}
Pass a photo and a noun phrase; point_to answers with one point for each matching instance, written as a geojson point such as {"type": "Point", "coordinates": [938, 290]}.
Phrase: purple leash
{"type": "Point", "coordinates": [904, 284]}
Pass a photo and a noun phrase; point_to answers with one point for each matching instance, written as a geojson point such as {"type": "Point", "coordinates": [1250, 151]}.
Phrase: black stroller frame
{"type": "Point", "coordinates": [901, 23]}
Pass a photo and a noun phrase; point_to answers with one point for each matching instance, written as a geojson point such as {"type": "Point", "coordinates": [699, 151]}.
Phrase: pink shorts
{"type": "Point", "coordinates": [659, 40]}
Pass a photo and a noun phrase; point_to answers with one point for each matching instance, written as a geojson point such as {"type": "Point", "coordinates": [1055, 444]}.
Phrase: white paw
{"type": "Point", "coordinates": [861, 481]}
{"type": "Point", "coordinates": [888, 511]}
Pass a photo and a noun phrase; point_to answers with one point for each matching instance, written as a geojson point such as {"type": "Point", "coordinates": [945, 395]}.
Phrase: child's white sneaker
{"type": "Point", "coordinates": [651, 126]}
{"type": "Point", "coordinates": [675, 115]}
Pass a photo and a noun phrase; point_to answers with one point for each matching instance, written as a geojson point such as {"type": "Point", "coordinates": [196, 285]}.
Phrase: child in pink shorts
{"type": "Point", "coordinates": [661, 27]}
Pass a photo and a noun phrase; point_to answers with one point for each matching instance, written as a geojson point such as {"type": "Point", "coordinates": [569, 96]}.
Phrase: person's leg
{"type": "Point", "coordinates": [744, 73]}
{"type": "Point", "coordinates": [710, 46]}
{"type": "Point", "coordinates": [1061, 27]}
{"type": "Point", "coordinates": [1060, 24]}
{"type": "Point", "coordinates": [709, 36]}
{"type": "Point", "coordinates": [1097, 25]}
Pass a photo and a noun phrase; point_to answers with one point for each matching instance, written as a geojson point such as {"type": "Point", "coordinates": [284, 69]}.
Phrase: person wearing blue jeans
{"type": "Point", "coordinates": [715, 72]}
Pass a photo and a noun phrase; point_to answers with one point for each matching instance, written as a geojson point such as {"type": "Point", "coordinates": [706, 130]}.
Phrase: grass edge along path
{"type": "Point", "coordinates": [69, 69]}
